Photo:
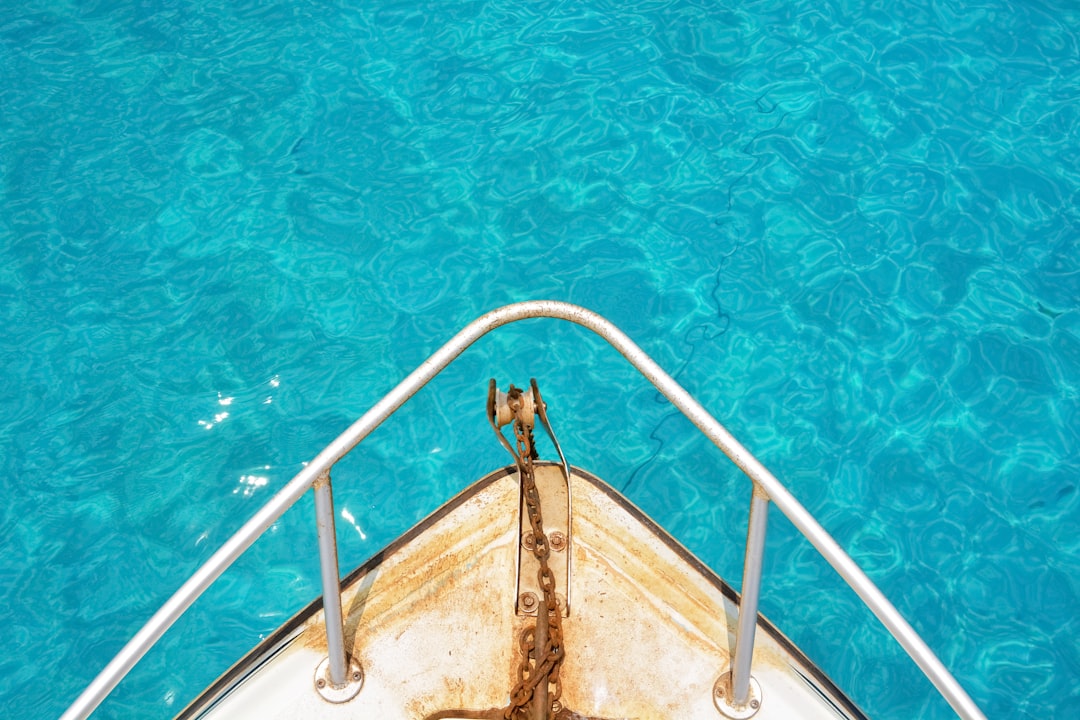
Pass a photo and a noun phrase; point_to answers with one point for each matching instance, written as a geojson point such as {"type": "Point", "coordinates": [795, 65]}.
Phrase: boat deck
{"type": "Point", "coordinates": [432, 622]}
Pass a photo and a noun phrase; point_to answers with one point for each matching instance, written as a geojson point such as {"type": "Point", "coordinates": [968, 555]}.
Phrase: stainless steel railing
{"type": "Point", "coordinates": [766, 488]}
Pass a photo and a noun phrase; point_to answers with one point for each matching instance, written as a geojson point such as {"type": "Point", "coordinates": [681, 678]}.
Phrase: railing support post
{"type": "Point", "coordinates": [331, 580]}
{"type": "Point", "coordinates": [748, 602]}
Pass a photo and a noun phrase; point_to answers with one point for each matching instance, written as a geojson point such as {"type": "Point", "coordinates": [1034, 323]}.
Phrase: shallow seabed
{"type": "Point", "coordinates": [850, 229]}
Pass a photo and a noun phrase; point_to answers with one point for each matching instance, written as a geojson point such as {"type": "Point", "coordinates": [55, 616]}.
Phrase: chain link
{"type": "Point", "coordinates": [538, 672]}
{"type": "Point", "coordinates": [538, 689]}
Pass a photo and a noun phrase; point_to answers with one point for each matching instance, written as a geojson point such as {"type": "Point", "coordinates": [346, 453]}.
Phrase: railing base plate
{"type": "Point", "coordinates": [343, 693]}
{"type": "Point", "coordinates": [723, 700]}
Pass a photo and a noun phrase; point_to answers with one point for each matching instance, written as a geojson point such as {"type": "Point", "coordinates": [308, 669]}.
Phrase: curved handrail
{"type": "Point", "coordinates": [871, 596]}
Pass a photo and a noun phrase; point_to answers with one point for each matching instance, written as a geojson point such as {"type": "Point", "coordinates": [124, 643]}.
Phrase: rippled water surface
{"type": "Point", "coordinates": [851, 230]}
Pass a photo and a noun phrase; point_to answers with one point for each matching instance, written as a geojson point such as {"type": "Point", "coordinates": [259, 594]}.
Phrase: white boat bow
{"type": "Point", "coordinates": [368, 650]}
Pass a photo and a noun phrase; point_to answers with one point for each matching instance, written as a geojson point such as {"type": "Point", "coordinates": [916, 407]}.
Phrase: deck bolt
{"type": "Point", "coordinates": [320, 683]}
{"type": "Point", "coordinates": [528, 541]}
{"type": "Point", "coordinates": [557, 540]}
{"type": "Point", "coordinates": [356, 676]}
{"type": "Point", "coordinates": [755, 703]}
{"type": "Point", "coordinates": [528, 601]}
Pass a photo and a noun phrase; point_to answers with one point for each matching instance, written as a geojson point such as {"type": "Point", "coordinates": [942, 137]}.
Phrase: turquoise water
{"type": "Point", "coordinates": [852, 231]}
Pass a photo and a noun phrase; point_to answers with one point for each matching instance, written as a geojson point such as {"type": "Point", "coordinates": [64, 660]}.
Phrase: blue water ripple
{"type": "Point", "coordinates": [852, 230]}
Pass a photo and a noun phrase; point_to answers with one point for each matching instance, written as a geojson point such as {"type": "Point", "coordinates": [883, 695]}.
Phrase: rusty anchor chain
{"type": "Point", "coordinates": [538, 689]}
{"type": "Point", "coordinates": [537, 692]}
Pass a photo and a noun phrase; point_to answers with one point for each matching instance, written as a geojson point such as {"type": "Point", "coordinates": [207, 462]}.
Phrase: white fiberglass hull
{"type": "Point", "coordinates": [432, 621]}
